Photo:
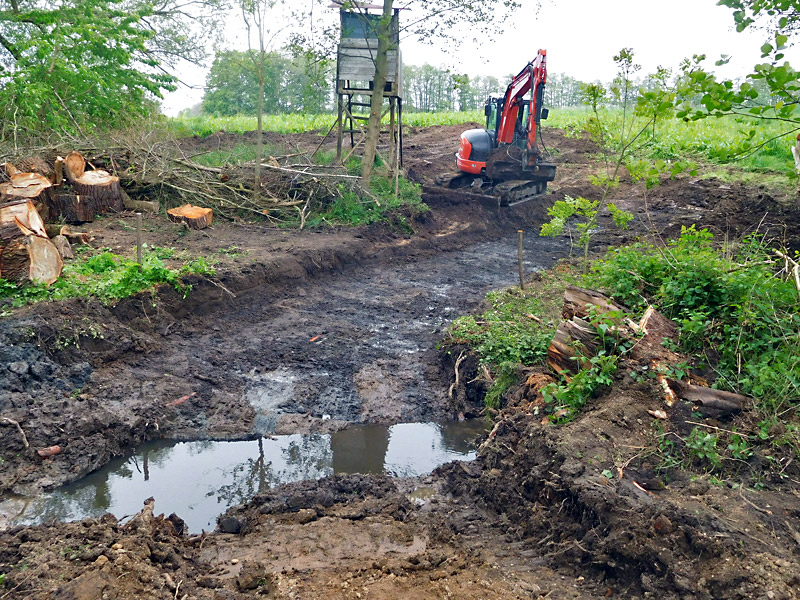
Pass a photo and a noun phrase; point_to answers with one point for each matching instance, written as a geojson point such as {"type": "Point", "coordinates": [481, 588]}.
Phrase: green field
{"type": "Point", "coordinates": [713, 140]}
{"type": "Point", "coordinates": [298, 123]}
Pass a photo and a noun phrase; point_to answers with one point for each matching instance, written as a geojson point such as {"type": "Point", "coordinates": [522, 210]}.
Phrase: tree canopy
{"type": "Point", "coordinates": [771, 91]}
{"type": "Point", "coordinates": [232, 85]}
{"type": "Point", "coordinates": [71, 65]}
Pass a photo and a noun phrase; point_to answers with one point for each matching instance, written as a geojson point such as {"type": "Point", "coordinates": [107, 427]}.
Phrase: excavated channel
{"type": "Point", "coordinates": [350, 348]}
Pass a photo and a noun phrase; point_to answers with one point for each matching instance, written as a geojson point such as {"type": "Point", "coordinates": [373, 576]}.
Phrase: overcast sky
{"type": "Point", "coordinates": [581, 37]}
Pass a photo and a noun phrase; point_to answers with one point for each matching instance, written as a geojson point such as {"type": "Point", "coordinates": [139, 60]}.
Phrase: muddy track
{"type": "Point", "coordinates": [342, 331]}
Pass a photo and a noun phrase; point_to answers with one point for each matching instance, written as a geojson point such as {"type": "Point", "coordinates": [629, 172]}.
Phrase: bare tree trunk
{"type": "Point", "coordinates": [260, 126]}
{"type": "Point", "coordinates": [376, 108]}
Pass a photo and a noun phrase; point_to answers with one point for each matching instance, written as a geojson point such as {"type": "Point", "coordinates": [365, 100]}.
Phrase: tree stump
{"type": "Point", "coordinates": [72, 208]}
{"type": "Point", "coordinates": [26, 253]}
{"type": "Point", "coordinates": [99, 189]}
{"type": "Point", "coordinates": [195, 217]}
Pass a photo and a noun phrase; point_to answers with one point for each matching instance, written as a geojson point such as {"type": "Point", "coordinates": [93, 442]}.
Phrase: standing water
{"type": "Point", "coordinates": [200, 480]}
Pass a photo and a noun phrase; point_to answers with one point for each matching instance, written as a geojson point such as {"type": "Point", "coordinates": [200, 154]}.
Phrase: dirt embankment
{"type": "Point", "coordinates": [534, 516]}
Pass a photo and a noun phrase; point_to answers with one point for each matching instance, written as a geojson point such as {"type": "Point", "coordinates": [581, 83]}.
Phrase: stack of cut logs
{"type": "Point", "coordinates": [28, 199]}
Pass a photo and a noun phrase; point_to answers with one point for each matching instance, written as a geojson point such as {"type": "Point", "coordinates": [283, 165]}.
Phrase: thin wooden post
{"type": "Point", "coordinates": [139, 238]}
{"type": "Point", "coordinates": [519, 260]}
{"type": "Point", "coordinates": [339, 127]}
{"type": "Point", "coordinates": [391, 133]}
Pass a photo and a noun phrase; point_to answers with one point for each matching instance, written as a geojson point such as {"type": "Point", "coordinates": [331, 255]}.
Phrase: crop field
{"type": "Point", "coordinates": [714, 140]}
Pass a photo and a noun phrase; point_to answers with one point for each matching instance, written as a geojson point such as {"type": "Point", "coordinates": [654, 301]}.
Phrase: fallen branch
{"type": "Point", "coordinates": [454, 385]}
{"type": "Point", "coordinates": [708, 397]}
{"type": "Point", "coordinates": [306, 173]}
{"type": "Point", "coordinates": [795, 268]}
{"type": "Point", "coordinates": [7, 421]}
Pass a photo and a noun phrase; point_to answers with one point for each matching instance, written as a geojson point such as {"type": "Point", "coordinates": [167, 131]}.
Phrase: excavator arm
{"type": "Point", "coordinates": [533, 76]}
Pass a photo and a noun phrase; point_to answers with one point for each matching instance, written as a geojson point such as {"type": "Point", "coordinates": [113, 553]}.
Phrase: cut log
{"type": "Point", "coordinates": [101, 189]}
{"type": "Point", "coordinates": [26, 253]}
{"type": "Point", "coordinates": [573, 342]}
{"type": "Point", "coordinates": [720, 400]}
{"type": "Point", "coordinates": [63, 246]}
{"type": "Point", "coordinates": [30, 259]}
{"type": "Point", "coordinates": [72, 208]}
{"type": "Point", "coordinates": [655, 328]}
{"type": "Point", "coordinates": [30, 186]}
{"type": "Point", "coordinates": [22, 212]}
{"type": "Point", "coordinates": [58, 168]}
{"type": "Point", "coordinates": [36, 164]}
{"type": "Point", "coordinates": [74, 166]}
{"type": "Point", "coordinates": [576, 301]}
{"type": "Point", "coordinates": [75, 237]}
{"type": "Point", "coordinates": [140, 205]}
{"type": "Point", "coordinates": [8, 170]}
{"type": "Point", "coordinates": [195, 217]}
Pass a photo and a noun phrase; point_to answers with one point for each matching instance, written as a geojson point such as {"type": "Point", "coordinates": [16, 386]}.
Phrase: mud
{"type": "Point", "coordinates": [310, 332]}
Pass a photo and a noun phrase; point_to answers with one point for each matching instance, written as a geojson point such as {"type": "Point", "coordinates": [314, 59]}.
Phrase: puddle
{"type": "Point", "coordinates": [200, 480]}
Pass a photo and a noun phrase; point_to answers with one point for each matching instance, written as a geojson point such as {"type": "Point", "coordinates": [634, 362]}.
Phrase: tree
{"type": "Point", "coordinates": [771, 92]}
{"type": "Point", "coordinates": [483, 19]}
{"type": "Point", "coordinates": [74, 64]}
{"type": "Point", "coordinates": [257, 15]}
{"type": "Point", "coordinates": [70, 65]}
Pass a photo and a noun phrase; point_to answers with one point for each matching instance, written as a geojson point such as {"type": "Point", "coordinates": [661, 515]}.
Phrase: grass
{"type": "Point", "coordinates": [352, 208]}
{"type": "Point", "coordinates": [298, 123]}
{"type": "Point", "coordinates": [108, 277]}
{"type": "Point", "coordinates": [714, 140]}
{"type": "Point", "coordinates": [243, 152]}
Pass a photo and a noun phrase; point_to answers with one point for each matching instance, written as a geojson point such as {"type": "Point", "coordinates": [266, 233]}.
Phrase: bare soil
{"type": "Point", "coordinates": [532, 517]}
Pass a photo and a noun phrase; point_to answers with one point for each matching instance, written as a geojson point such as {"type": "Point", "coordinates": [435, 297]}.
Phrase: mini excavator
{"type": "Point", "coordinates": [507, 158]}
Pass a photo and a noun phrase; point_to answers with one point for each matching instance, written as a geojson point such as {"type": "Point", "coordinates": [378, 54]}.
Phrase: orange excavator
{"type": "Point", "coordinates": [507, 158]}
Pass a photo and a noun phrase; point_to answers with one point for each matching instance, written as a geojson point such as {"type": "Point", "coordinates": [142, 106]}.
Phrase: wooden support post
{"type": "Point", "coordinates": [519, 260]}
{"type": "Point", "coordinates": [392, 164]}
{"type": "Point", "coordinates": [139, 238]}
{"type": "Point", "coordinates": [339, 128]}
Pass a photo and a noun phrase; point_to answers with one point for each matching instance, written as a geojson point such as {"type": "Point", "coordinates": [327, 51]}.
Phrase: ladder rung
{"type": "Point", "coordinates": [359, 104]}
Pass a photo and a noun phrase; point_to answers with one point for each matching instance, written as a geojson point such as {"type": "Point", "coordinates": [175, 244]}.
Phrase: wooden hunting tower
{"type": "Point", "coordinates": [355, 79]}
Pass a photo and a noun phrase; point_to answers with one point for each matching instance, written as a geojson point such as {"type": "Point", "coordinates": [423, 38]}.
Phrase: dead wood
{"type": "Point", "coordinates": [721, 400]}
{"type": "Point", "coordinates": [140, 205]}
{"type": "Point", "coordinates": [75, 237]}
{"type": "Point", "coordinates": [100, 189]}
{"type": "Point", "coordinates": [7, 421]}
{"type": "Point", "coordinates": [8, 170]}
{"type": "Point", "coordinates": [574, 342]}
{"type": "Point", "coordinates": [72, 208]}
{"type": "Point", "coordinates": [654, 329]}
{"type": "Point", "coordinates": [63, 246]}
{"type": "Point", "coordinates": [36, 164]}
{"type": "Point", "coordinates": [577, 300]}
{"type": "Point", "coordinates": [26, 252]}
{"type": "Point", "coordinates": [195, 217]}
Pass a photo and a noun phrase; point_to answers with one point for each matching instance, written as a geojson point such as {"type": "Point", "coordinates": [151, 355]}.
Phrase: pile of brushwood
{"type": "Point", "coordinates": [155, 166]}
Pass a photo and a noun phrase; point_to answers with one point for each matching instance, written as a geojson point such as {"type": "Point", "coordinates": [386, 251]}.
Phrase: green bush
{"type": "Point", "coordinates": [108, 277]}
{"type": "Point", "coordinates": [731, 309]}
{"type": "Point", "coordinates": [506, 333]}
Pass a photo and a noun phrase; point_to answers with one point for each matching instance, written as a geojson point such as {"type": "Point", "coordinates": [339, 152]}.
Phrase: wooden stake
{"type": "Point", "coordinates": [139, 238]}
{"type": "Point", "coordinates": [519, 259]}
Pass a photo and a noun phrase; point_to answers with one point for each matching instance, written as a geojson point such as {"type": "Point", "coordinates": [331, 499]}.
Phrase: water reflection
{"type": "Point", "coordinates": [199, 480]}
